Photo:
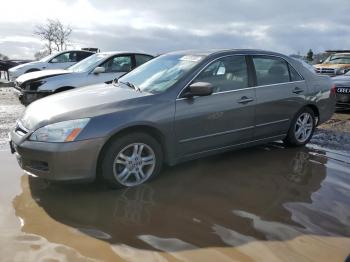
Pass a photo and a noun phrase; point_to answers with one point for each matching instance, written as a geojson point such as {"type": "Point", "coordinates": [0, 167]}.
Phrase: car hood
{"type": "Point", "coordinates": [79, 103]}
{"type": "Point", "coordinates": [41, 74]}
{"type": "Point", "coordinates": [25, 65]}
{"type": "Point", "coordinates": [335, 66]}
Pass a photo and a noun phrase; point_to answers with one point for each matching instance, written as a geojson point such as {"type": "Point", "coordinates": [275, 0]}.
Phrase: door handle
{"type": "Point", "coordinates": [245, 100]}
{"type": "Point", "coordinates": [297, 90]}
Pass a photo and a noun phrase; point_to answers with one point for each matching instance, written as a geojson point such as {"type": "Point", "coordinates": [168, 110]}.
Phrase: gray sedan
{"type": "Point", "coordinates": [176, 107]}
{"type": "Point", "coordinates": [96, 69]}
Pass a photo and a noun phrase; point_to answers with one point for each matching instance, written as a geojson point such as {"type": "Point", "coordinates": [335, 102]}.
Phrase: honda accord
{"type": "Point", "coordinates": [176, 107]}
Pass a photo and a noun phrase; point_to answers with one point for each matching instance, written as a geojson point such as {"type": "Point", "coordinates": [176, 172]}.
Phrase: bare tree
{"type": "Point", "coordinates": [41, 54]}
{"type": "Point", "coordinates": [55, 34]}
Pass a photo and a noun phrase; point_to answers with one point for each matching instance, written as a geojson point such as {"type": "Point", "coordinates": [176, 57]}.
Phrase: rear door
{"type": "Point", "coordinates": [219, 120]}
{"type": "Point", "coordinates": [280, 93]}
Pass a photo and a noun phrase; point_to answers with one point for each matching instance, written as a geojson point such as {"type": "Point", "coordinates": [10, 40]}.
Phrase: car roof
{"type": "Point", "coordinates": [123, 52]}
{"type": "Point", "coordinates": [212, 52]}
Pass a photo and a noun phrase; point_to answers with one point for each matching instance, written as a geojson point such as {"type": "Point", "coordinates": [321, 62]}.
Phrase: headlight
{"type": "Point", "coordinates": [65, 131]}
{"type": "Point", "coordinates": [342, 71]}
{"type": "Point", "coordinates": [33, 86]}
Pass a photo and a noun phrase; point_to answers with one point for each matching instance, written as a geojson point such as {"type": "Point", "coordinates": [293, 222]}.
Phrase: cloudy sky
{"type": "Point", "coordinates": [157, 26]}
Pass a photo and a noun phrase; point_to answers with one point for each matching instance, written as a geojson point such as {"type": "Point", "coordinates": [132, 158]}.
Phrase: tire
{"type": "Point", "coordinates": [120, 166]}
{"type": "Point", "coordinates": [301, 138]}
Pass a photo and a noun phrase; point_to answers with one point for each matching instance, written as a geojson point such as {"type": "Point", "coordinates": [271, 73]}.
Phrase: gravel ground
{"type": "Point", "coordinates": [10, 110]}
{"type": "Point", "coordinates": [334, 134]}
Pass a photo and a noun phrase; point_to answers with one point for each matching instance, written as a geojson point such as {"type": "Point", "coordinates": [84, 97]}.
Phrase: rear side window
{"type": "Point", "coordinates": [141, 59]}
{"type": "Point", "coordinates": [270, 70]}
{"type": "Point", "coordinates": [226, 74]}
{"type": "Point", "coordinates": [83, 55]}
{"type": "Point", "coordinates": [294, 76]}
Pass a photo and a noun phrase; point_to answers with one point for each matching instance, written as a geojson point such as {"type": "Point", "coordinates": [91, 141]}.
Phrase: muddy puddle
{"type": "Point", "coordinates": [267, 203]}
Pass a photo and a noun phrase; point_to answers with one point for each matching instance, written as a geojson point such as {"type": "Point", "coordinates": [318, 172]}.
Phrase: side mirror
{"type": "Point", "coordinates": [321, 61]}
{"type": "Point", "coordinates": [98, 70]}
{"type": "Point", "coordinates": [199, 89]}
{"type": "Point", "coordinates": [54, 60]}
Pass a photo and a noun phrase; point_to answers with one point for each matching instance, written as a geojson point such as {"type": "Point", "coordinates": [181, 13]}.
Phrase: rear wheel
{"type": "Point", "coordinates": [302, 128]}
{"type": "Point", "coordinates": [131, 160]}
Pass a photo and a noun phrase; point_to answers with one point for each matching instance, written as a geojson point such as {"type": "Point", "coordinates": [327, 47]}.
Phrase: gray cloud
{"type": "Point", "coordinates": [160, 26]}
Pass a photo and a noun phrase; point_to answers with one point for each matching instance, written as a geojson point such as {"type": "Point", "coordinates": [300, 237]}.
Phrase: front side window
{"type": "Point", "coordinates": [226, 74]}
{"type": "Point", "coordinates": [65, 58]}
{"type": "Point", "coordinates": [117, 64]}
{"type": "Point", "coordinates": [88, 63]}
{"type": "Point", "coordinates": [270, 70]}
{"type": "Point", "coordinates": [141, 59]}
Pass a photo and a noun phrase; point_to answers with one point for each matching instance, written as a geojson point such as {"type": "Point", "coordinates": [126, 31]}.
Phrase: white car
{"type": "Point", "coordinates": [59, 60]}
{"type": "Point", "coordinates": [96, 69]}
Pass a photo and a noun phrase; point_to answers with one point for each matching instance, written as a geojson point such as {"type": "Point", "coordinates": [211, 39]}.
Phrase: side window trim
{"type": "Point", "coordinates": [179, 96]}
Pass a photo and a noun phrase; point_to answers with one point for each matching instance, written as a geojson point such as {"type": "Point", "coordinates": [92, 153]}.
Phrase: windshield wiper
{"type": "Point", "coordinates": [131, 85]}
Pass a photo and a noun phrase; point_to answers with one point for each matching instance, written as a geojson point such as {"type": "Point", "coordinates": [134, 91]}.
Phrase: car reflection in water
{"type": "Point", "coordinates": [264, 193]}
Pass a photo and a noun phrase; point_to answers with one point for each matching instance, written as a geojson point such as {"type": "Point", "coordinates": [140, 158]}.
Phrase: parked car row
{"type": "Point", "coordinates": [337, 66]}
{"type": "Point", "coordinates": [97, 68]}
{"type": "Point", "coordinates": [173, 108]}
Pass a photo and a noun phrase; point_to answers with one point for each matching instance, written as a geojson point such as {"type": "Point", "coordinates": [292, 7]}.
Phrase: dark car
{"type": "Point", "coordinates": [342, 89]}
{"type": "Point", "coordinates": [176, 107]}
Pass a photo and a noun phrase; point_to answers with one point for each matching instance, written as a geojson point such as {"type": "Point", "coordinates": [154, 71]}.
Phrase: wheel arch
{"type": "Point", "coordinates": [32, 70]}
{"type": "Point", "coordinates": [64, 88]}
{"type": "Point", "coordinates": [141, 128]}
{"type": "Point", "coordinates": [316, 111]}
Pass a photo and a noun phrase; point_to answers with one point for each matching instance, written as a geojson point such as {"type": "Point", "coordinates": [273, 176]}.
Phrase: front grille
{"type": "Point", "coordinates": [344, 98]}
{"type": "Point", "coordinates": [326, 71]}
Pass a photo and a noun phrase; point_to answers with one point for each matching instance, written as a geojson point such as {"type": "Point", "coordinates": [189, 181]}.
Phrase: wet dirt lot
{"type": "Point", "coordinates": [267, 203]}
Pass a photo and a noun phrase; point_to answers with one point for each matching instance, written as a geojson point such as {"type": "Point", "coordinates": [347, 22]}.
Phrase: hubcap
{"type": "Point", "coordinates": [303, 127]}
{"type": "Point", "coordinates": [134, 164]}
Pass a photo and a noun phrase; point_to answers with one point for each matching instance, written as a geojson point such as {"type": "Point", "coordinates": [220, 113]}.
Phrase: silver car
{"type": "Point", "coordinates": [176, 107]}
{"type": "Point", "coordinates": [60, 60]}
{"type": "Point", "coordinates": [96, 69]}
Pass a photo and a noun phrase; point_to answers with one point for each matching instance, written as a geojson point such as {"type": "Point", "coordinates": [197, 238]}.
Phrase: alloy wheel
{"type": "Point", "coordinates": [303, 127]}
{"type": "Point", "coordinates": [134, 164]}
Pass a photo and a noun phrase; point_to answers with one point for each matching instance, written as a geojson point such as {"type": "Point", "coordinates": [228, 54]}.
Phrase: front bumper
{"type": "Point", "coordinates": [343, 100]}
{"type": "Point", "coordinates": [58, 161]}
{"type": "Point", "coordinates": [27, 97]}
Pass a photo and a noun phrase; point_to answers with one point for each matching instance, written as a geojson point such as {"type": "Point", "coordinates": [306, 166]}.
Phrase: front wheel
{"type": "Point", "coordinates": [131, 160]}
{"type": "Point", "coordinates": [301, 129]}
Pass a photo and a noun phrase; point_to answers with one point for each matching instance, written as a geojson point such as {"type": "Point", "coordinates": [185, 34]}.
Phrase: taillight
{"type": "Point", "coordinates": [333, 88]}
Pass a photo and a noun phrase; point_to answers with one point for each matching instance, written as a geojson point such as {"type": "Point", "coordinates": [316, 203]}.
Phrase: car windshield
{"type": "Point", "coordinates": [159, 74]}
{"type": "Point", "coordinates": [336, 59]}
{"type": "Point", "coordinates": [88, 63]}
{"type": "Point", "coordinates": [49, 57]}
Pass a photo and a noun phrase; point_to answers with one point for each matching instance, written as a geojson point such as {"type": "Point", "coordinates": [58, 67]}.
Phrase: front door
{"type": "Point", "coordinates": [219, 120]}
